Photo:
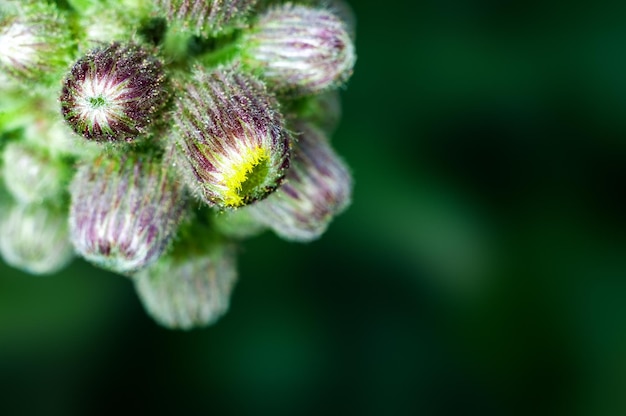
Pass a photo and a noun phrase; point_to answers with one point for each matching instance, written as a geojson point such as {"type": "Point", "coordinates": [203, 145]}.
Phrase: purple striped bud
{"type": "Point", "coordinates": [124, 211]}
{"type": "Point", "coordinates": [35, 42]}
{"type": "Point", "coordinates": [191, 286]}
{"type": "Point", "coordinates": [206, 17]}
{"type": "Point", "coordinates": [30, 175]}
{"type": "Point", "coordinates": [300, 50]}
{"type": "Point", "coordinates": [34, 238]}
{"type": "Point", "coordinates": [317, 188]}
{"type": "Point", "coordinates": [232, 144]}
{"type": "Point", "coordinates": [114, 93]}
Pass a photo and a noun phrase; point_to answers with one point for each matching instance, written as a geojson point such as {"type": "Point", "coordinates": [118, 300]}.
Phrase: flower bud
{"type": "Point", "coordinates": [34, 238]}
{"type": "Point", "coordinates": [30, 175]}
{"type": "Point", "coordinates": [191, 286]}
{"type": "Point", "coordinates": [124, 211]}
{"type": "Point", "coordinates": [35, 42]}
{"type": "Point", "coordinates": [232, 144]}
{"type": "Point", "coordinates": [114, 93]}
{"type": "Point", "coordinates": [300, 50]}
{"type": "Point", "coordinates": [206, 17]}
{"type": "Point", "coordinates": [317, 188]}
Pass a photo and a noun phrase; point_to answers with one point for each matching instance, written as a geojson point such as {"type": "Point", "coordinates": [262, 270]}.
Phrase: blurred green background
{"type": "Point", "coordinates": [480, 270]}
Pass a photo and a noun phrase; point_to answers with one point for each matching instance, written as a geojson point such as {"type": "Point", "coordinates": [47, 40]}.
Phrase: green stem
{"type": "Point", "coordinates": [225, 50]}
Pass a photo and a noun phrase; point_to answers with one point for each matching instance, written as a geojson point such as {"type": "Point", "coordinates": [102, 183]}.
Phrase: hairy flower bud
{"type": "Point", "coordinates": [114, 93]}
{"type": "Point", "coordinates": [191, 286]}
{"type": "Point", "coordinates": [35, 42]}
{"type": "Point", "coordinates": [231, 138]}
{"type": "Point", "coordinates": [30, 175]}
{"type": "Point", "coordinates": [299, 49]}
{"type": "Point", "coordinates": [317, 188]}
{"type": "Point", "coordinates": [206, 17]}
{"type": "Point", "coordinates": [34, 238]}
{"type": "Point", "coordinates": [124, 211]}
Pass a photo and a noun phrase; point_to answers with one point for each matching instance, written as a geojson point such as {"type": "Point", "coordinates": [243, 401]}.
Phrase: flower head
{"type": "Point", "coordinates": [112, 112]}
{"type": "Point", "coordinates": [34, 238]}
{"type": "Point", "coordinates": [124, 211]}
{"type": "Point", "coordinates": [233, 145]}
{"type": "Point", "coordinates": [300, 50]}
{"type": "Point", "coordinates": [35, 42]}
{"type": "Point", "coordinates": [30, 175]}
{"type": "Point", "coordinates": [114, 93]}
{"type": "Point", "coordinates": [191, 286]}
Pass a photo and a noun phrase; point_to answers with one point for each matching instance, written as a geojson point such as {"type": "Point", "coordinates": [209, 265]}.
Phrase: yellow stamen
{"type": "Point", "coordinates": [241, 173]}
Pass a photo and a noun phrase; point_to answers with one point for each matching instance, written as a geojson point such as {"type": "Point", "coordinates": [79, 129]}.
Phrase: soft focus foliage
{"type": "Point", "coordinates": [167, 120]}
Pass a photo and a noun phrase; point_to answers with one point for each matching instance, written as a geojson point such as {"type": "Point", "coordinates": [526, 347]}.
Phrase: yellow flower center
{"type": "Point", "coordinates": [245, 176]}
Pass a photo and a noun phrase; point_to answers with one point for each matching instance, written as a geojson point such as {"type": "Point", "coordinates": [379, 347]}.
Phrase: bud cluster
{"type": "Point", "coordinates": [151, 138]}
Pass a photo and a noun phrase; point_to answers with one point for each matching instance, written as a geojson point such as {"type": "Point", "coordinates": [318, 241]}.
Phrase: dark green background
{"type": "Point", "coordinates": [480, 270]}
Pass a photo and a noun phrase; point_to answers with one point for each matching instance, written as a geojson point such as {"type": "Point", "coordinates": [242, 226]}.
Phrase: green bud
{"type": "Point", "coordinates": [232, 144]}
{"type": "Point", "coordinates": [206, 17]}
{"type": "Point", "coordinates": [124, 211]}
{"type": "Point", "coordinates": [191, 286]}
{"type": "Point", "coordinates": [114, 93]}
{"type": "Point", "coordinates": [317, 188]}
{"type": "Point", "coordinates": [35, 42]}
{"type": "Point", "coordinates": [299, 50]}
{"type": "Point", "coordinates": [30, 175]}
{"type": "Point", "coordinates": [34, 238]}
